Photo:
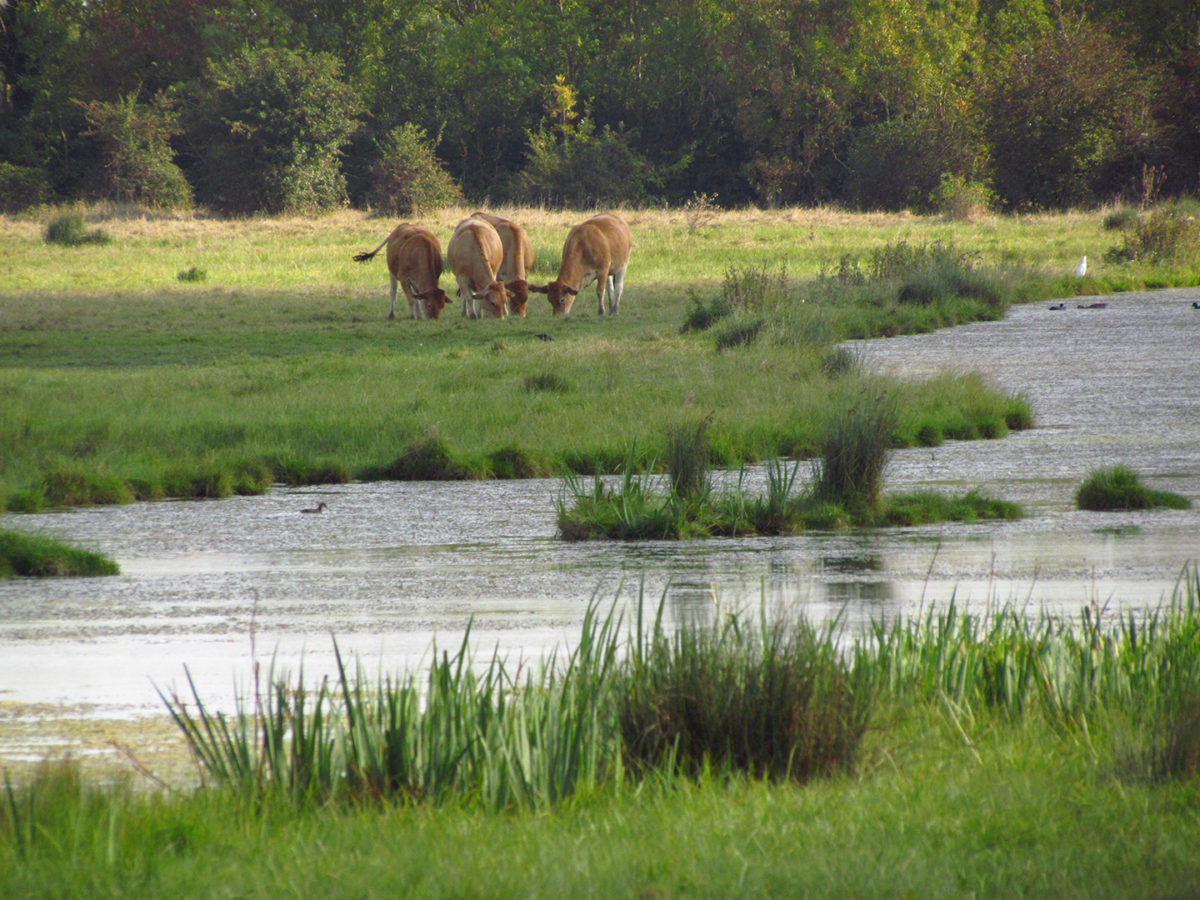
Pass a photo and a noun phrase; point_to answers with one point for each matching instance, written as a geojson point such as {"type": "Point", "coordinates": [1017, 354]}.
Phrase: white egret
{"type": "Point", "coordinates": [1081, 269]}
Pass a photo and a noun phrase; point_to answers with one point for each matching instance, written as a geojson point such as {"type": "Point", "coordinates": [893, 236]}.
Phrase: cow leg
{"type": "Point", "coordinates": [614, 292]}
{"type": "Point", "coordinates": [464, 294]}
{"type": "Point", "coordinates": [392, 310]}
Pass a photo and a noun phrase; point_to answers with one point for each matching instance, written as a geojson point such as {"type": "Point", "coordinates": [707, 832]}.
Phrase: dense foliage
{"type": "Point", "coordinates": [294, 104]}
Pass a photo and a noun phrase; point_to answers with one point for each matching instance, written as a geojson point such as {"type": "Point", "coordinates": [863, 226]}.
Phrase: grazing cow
{"type": "Point", "coordinates": [518, 260]}
{"type": "Point", "coordinates": [474, 255]}
{"type": "Point", "coordinates": [595, 249]}
{"type": "Point", "coordinates": [414, 259]}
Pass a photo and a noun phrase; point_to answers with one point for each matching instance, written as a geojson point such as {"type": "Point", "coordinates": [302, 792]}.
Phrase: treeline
{"type": "Point", "coordinates": [291, 105]}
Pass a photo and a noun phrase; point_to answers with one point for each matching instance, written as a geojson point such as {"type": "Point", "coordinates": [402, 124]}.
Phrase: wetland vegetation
{"type": "Point", "coordinates": [746, 754]}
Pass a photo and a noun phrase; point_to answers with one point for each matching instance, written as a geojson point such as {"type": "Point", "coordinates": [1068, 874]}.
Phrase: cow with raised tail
{"type": "Point", "coordinates": [518, 260]}
{"type": "Point", "coordinates": [414, 259]}
{"type": "Point", "coordinates": [474, 255]}
{"type": "Point", "coordinates": [595, 250]}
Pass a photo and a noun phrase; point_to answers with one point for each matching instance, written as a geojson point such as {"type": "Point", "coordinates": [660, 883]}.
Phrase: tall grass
{"type": "Point", "coordinates": [1144, 665]}
{"type": "Point", "coordinates": [772, 699]}
{"type": "Point", "coordinates": [488, 735]}
{"type": "Point", "coordinates": [855, 446]}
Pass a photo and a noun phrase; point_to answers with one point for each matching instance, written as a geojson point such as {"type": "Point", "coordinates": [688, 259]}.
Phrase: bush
{"type": "Point", "coordinates": [254, 152]}
{"type": "Point", "coordinates": [22, 187]}
{"type": "Point", "coordinates": [904, 161]}
{"type": "Point", "coordinates": [958, 198]}
{"type": "Point", "coordinates": [1168, 234]}
{"type": "Point", "coordinates": [408, 178]}
{"type": "Point", "coordinates": [136, 163]}
{"type": "Point", "coordinates": [581, 169]}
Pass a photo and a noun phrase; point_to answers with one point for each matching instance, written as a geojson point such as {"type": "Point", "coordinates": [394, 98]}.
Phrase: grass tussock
{"type": "Point", "coordinates": [772, 699]}
{"type": "Point", "coordinates": [68, 230]}
{"type": "Point", "coordinates": [1120, 488]}
{"type": "Point", "coordinates": [45, 557]}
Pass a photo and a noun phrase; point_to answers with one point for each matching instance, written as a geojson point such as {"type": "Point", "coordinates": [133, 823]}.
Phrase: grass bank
{"type": "Point", "coordinates": [37, 555]}
{"type": "Point", "coordinates": [123, 376]}
{"type": "Point", "coordinates": [991, 755]}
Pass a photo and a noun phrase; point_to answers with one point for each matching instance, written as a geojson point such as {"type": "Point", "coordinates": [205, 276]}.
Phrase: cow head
{"type": "Point", "coordinates": [432, 300]}
{"type": "Point", "coordinates": [518, 296]}
{"type": "Point", "coordinates": [560, 295]}
{"type": "Point", "coordinates": [493, 302]}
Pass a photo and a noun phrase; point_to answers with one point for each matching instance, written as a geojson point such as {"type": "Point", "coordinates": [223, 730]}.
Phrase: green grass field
{"type": "Point", "coordinates": [124, 376]}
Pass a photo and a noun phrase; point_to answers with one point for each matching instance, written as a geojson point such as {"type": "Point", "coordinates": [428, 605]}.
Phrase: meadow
{"type": "Point", "coordinates": [192, 356]}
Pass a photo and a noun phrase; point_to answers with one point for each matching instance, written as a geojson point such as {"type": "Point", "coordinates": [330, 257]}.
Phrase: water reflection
{"type": "Point", "coordinates": [388, 568]}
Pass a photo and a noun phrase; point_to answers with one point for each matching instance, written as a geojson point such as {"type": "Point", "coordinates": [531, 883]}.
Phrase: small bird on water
{"type": "Point", "coordinates": [1081, 269]}
{"type": "Point", "coordinates": [320, 507]}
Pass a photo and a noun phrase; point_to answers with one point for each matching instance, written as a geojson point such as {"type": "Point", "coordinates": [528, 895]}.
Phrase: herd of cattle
{"type": "Point", "coordinates": [491, 256]}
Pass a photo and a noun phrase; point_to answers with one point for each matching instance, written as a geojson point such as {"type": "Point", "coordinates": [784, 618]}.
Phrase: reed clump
{"type": "Point", "coordinates": [773, 700]}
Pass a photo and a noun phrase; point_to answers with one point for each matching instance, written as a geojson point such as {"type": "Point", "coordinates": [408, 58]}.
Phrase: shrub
{"type": "Point", "coordinates": [68, 230]}
{"type": "Point", "coordinates": [1168, 234]}
{"type": "Point", "coordinates": [254, 152]}
{"type": "Point", "coordinates": [1119, 488]}
{"type": "Point", "coordinates": [1057, 122]}
{"type": "Point", "coordinates": [905, 161]}
{"type": "Point", "coordinates": [136, 163]}
{"type": "Point", "coordinates": [961, 199]}
{"type": "Point", "coordinates": [22, 187]}
{"type": "Point", "coordinates": [408, 179]}
{"type": "Point", "coordinates": [580, 169]}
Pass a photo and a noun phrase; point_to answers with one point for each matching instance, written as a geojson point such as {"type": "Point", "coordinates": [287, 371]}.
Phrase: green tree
{"type": "Point", "coordinates": [1060, 124]}
{"type": "Point", "coordinates": [266, 130]}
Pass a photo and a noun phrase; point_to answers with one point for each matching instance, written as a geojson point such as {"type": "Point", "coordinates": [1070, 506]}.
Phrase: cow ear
{"type": "Point", "coordinates": [539, 289]}
{"type": "Point", "coordinates": [572, 292]}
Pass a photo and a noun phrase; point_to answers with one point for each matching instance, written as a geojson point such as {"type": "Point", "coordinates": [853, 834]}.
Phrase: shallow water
{"type": "Point", "coordinates": [389, 568]}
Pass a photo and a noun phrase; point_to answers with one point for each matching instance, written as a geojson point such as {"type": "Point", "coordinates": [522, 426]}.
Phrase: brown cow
{"type": "Point", "coordinates": [474, 255]}
{"type": "Point", "coordinates": [595, 249]}
{"type": "Point", "coordinates": [518, 260]}
{"type": "Point", "coordinates": [414, 259]}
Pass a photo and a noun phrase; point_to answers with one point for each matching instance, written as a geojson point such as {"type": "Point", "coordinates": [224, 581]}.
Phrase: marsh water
{"type": "Point", "coordinates": [389, 568]}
